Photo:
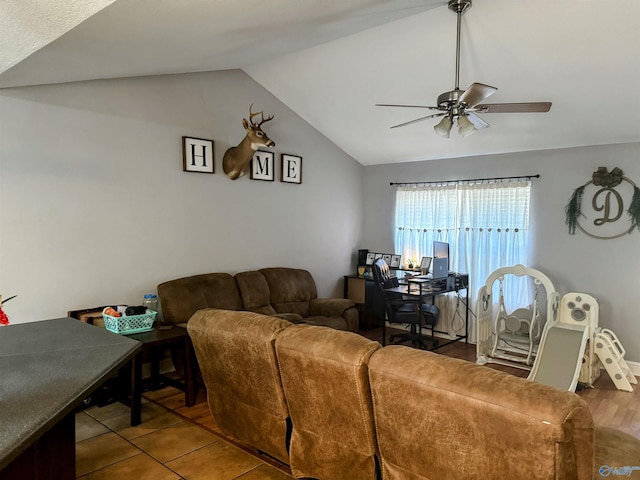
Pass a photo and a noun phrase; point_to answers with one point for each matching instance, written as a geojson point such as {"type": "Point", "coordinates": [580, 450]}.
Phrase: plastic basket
{"type": "Point", "coordinates": [130, 324]}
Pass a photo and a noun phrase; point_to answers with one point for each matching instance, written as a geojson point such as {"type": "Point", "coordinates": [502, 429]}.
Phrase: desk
{"type": "Point", "coordinates": [48, 368]}
{"type": "Point", "coordinates": [428, 287]}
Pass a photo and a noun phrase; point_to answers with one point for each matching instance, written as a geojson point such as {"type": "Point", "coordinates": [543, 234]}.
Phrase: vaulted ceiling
{"type": "Point", "coordinates": [331, 61]}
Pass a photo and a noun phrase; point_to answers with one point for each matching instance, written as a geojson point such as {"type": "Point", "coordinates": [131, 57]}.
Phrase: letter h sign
{"type": "Point", "coordinates": [197, 155]}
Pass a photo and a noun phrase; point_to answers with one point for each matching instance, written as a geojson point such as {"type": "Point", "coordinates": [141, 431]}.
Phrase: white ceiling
{"type": "Point", "coordinates": [332, 60]}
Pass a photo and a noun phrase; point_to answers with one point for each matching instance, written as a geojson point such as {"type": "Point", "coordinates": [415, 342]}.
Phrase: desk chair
{"type": "Point", "coordinates": [403, 309]}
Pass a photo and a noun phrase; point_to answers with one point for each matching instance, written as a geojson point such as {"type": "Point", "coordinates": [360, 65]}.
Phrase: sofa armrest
{"type": "Point", "coordinates": [289, 317]}
{"type": "Point", "coordinates": [330, 307]}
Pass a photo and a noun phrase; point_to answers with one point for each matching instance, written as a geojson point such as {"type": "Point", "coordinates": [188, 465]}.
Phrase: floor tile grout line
{"type": "Point", "coordinates": [204, 427]}
{"type": "Point", "coordinates": [185, 454]}
{"type": "Point", "coordinates": [142, 451]}
{"type": "Point", "coordinates": [228, 440]}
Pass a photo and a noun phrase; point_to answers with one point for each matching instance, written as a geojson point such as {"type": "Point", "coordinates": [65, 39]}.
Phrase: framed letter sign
{"type": "Point", "coordinates": [291, 168]}
{"type": "Point", "coordinates": [262, 166]}
{"type": "Point", "coordinates": [197, 155]}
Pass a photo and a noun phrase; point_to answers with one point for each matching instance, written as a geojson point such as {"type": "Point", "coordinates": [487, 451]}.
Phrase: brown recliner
{"type": "Point", "coordinates": [182, 297]}
{"type": "Point", "coordinates": [445, 418]}
{"type": "Point", "coordinates": [325, 380]}
{"type": "Point", "coordinates": [256, 296]}
{"type": "Point", "coordinates": [237, 358]}
{"type": "Point", "coordinates": [288, 293]}
{"type": "Point", "coordinates": [292, 294]}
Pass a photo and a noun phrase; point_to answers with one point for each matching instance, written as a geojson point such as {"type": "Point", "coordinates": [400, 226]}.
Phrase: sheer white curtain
{"type": "Point", "coordinates": [486, 225]}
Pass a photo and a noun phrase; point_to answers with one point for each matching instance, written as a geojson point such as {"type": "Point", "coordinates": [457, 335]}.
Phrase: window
{"type": "Point", "coordinates": [485, 223]}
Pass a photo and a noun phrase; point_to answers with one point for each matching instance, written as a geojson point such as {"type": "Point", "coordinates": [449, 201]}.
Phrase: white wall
{"type": "Point", "coordinates": [95, 208]}
{"type": "Point", "coordinates": [607, 269]}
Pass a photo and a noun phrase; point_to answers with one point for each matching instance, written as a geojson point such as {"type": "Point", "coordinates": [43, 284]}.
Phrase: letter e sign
{"type": "Point", "coordinates": [291, 168]}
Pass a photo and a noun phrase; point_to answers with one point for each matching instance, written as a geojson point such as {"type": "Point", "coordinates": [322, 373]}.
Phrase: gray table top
{"type": "Point", "coordinates": [46, 369]}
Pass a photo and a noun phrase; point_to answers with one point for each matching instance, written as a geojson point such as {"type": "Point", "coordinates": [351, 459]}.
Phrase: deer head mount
{"type": "Point", "coordinates": [236, 159]}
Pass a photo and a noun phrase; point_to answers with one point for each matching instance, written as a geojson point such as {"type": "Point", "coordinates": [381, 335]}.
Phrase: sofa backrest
{"type": "Point", "coordinates": [182, 297]}
{"type": "Point", "coordinates": [255, 293]}
{"type": "Point", "coordinates": [325, 380]}
{"type": "Point", "coordinates": [290, 289]}
{"type": "Point", "coordinates": [237, 358]}
{"type": "Point", "coordinates": [445, 418]}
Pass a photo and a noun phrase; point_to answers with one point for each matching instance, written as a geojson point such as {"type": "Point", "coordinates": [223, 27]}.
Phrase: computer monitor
{"type": "Point", "coordinates": [441, 250]}
{"type": "Point", "coordinates": [440, 268]}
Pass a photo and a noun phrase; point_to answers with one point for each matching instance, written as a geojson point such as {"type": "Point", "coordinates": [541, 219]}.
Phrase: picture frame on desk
{"type": "Point", "coordinates": [425, 263]}
{"type": "Point", "coordinates": [377, 256]}
{"type": "Point", "coordinates": [387, 258]}
{"type": "Point", "coordinates": [396, 261]}
{"type": "Point", "coordinates": [370, 258]}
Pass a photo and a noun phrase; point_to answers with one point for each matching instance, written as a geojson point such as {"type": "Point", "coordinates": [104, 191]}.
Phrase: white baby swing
{"type": "Point", "coordinates": [563, 349]}
{"type": "Point", "coordinates": [512, 338]}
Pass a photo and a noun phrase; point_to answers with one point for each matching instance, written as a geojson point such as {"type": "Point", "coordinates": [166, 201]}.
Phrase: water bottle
{"type": "Point", "coordinates": [150, 301]}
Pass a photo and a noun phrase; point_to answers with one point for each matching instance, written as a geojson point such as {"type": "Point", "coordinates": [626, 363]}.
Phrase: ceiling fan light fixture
{"type": "Point", "coordinates": [444, 127]}
{"type": "Point", "coordinates": [453, 104]}
{"type": "Point", "coordinates": [465, 127]}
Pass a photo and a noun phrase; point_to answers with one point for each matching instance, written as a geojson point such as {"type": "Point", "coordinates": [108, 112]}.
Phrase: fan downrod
{"type": "Point", "coordinates": [459, 6]}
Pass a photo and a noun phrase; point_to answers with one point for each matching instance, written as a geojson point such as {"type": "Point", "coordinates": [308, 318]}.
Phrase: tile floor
{"type": "Point", "coordinates": [162, 447]}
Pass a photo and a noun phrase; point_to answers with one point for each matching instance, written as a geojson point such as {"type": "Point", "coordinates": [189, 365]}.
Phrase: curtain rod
{"type": "Point", "coordinates": [521, 177]}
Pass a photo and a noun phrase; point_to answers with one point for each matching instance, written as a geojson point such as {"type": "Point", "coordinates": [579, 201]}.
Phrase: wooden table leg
{"type": "Point", "coordinates": [136, 390]}
{"type": "Point", "coordinates": [189, 380]}
{"type": "Point", "coordinates": [155, 368]}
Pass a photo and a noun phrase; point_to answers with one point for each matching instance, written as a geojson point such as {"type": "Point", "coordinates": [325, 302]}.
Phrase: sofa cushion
{"type": "Point", "coordinates": [291, 289]}
{"type": "Point", "coordinates": [325, 380]}
{"type": "Point", "coordinates": [445, 418]}
{"type": "Point", "coordinates": [255, 293]}
{"type": "Point", "coordinates": [237, 358]}
{"type": "Point", "coordinates": [338, 323]}
{"type": "Point", "coordinates": [182, 297]}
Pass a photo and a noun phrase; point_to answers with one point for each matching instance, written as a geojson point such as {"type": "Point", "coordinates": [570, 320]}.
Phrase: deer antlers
{"type": "Point", "coordinates": [251, 115]}
{"type": "Point", "coordinates": [236, 159]}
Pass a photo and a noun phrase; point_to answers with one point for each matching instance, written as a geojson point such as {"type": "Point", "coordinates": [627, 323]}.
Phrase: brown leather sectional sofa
{"type": "Point", "coordinates": [335, 405]}
{"type": "Point", "coordinates": [287, 293]}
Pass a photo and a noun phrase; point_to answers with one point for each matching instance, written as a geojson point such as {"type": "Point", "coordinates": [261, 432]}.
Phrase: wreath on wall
{"type": "Point", "coordinates": [605, 179]}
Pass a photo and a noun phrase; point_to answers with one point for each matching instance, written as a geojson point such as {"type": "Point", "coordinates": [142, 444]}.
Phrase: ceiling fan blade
{"type": "Point", "coordinates": [476, 93]}
{"type": "Point", "coordinates": [419, 120]}
{"type": "Point", "coordinates": [476, 120]}
{"type": "Point", "coordinates": [514, 107]}
{"type": "Point", "coordinates": [405, 106]}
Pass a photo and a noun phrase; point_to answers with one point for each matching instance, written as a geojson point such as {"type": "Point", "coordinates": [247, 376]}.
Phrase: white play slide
{"type": "Point", "coordinates": [564, 342]}
{"type": "Point", "coordinates": [572, 347]}
{"type": "Point", "coordinates": [559, 357]}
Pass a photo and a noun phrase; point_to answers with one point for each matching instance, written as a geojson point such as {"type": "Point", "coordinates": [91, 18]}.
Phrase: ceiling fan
{"type": "Point", "coordinates": [462, 105]}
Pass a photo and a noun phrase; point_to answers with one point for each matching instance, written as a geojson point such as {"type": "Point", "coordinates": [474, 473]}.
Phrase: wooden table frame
{"type": "Point", "coordinates": [152, 342]}
{"type": "Point", "coordinates": [49, 368]}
